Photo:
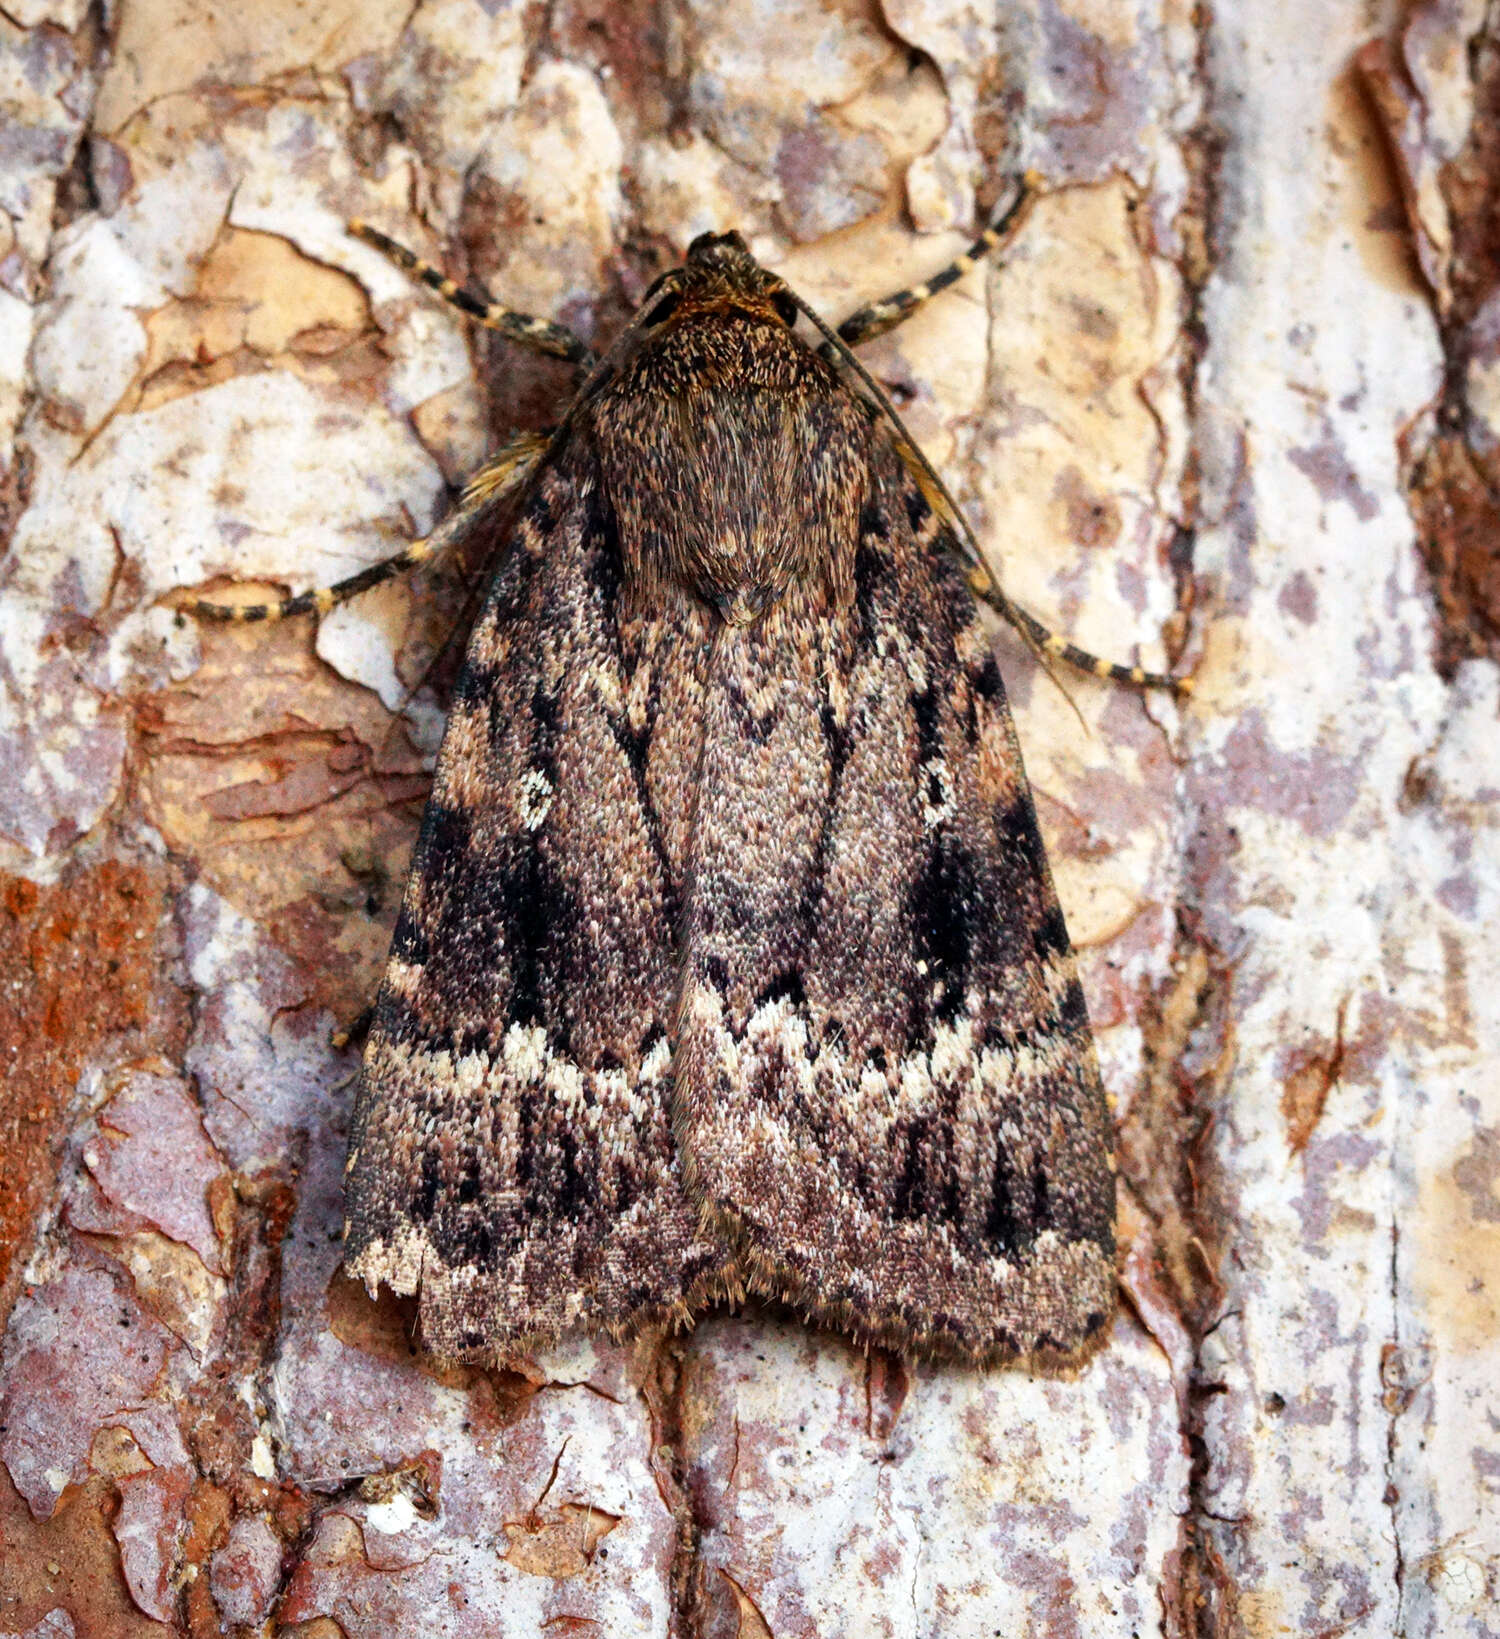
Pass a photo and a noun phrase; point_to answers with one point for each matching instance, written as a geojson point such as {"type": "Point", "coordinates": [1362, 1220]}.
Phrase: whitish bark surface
{"type": "Point", "coordinates": [1231, 400]}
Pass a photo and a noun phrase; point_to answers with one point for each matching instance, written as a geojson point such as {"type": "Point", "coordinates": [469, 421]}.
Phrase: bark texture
{"type": "Point", "coordinates": [1232, 398]}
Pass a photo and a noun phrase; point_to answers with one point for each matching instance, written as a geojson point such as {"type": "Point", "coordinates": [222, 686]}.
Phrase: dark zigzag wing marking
{"type": "Point", "coordinates": [888, 1091]}
{"type": "Point", "coordinates": [512, 1151]}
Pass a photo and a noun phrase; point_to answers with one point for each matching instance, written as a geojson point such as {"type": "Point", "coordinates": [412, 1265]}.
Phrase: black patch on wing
{"type": "Point", "coordinates": [944, 905]}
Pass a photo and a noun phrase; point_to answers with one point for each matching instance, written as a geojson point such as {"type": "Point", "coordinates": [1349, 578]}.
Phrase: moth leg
{"type": "Point", "coordinates": [887, 313]}
{"type": "Point", "coordinates": [1047, 642]}
{"type": "Point", "coordinates": [354, 1032]}
{"type": "Point", "coordinates": [540, 335]}
{"type": "Point", "coordinates": [507, 468]}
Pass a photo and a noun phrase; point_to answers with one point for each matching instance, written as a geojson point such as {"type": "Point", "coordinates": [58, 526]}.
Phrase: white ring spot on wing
{"type": "Point", "coordinates": [937, 793]}
{"type": "Point", "coordinates": [536, 798]}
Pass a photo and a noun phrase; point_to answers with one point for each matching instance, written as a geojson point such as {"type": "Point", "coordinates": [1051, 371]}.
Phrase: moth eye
{"type": "Point", "coordinates": [786, 307]}
{"type": "Point", "coordinates": [664, 309]}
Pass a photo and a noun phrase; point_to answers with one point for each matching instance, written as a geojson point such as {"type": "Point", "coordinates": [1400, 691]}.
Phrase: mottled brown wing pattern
{"type": "Point", "coordinates": [730, 953]}
{"type": "Point", "coordinates": [887, 1093]}
{"type": "Point", "coordinates": [512, 1152]}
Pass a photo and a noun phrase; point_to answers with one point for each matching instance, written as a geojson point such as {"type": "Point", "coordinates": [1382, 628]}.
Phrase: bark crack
{"type": "Point", "coordinates": [1393, 1408]}
{"type": "Point", "coordinates": [1199, 1593]}
{"type": "Point", "coordinates": [664, 1392]}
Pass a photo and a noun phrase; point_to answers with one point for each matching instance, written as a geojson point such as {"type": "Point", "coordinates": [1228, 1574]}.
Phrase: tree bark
{"type": "Point", "coordinates": [1229, 402]}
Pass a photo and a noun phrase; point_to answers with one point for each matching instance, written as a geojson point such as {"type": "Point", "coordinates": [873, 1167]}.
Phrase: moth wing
{"type": "Point", "coordinates": [511, 1152]}
{"type": "Point", "coordinates": [887, 1090]}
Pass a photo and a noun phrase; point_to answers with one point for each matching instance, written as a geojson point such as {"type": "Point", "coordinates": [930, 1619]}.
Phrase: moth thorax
{"type": "Point", "coordinates": [735, 462]}
{"type": "Point", "coordinates": [745, 539]}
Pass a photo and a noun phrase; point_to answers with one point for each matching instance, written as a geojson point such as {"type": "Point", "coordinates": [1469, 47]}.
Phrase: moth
{"type": "Point", "coordinates": [730, 960]}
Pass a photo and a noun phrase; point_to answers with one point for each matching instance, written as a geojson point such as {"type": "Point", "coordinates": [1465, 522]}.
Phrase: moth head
{"type": "Point", "coordinates": [721, 250]}
{"type": "Point", "coordinates": [723, 261]}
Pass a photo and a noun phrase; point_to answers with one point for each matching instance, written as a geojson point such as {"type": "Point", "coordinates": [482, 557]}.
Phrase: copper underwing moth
{"type": "Point", "coordinates": [729, 959]}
